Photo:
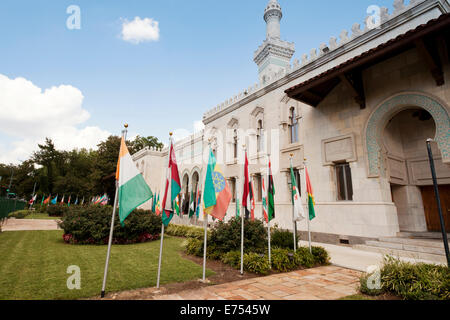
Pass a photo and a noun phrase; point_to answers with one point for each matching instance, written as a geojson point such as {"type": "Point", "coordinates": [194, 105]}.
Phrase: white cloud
{"type": "Point", "coordinates": [140, 30]}
{"type": "Point", "coordinates": [28, 115]}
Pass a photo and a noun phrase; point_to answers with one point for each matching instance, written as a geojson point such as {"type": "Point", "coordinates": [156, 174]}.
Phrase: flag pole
{"type": "Point", "coordinates": [162, 224]}
{"type": "Point", "coordinates": [307, 210]}
{"type": "Point", "coordinates": [242, 221]}
{"type": "Point", "coordinates": [205, 219]}
{"type": "Point", "coordinates": [111, 231]}
{"type": "Point", "coordinates": [294, 230]}
{"type": "Point", "coordinates": [267, 208]}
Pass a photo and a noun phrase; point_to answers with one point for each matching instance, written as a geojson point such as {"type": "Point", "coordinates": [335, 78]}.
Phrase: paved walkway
{"type": "Point", "coordinates": [323, 283]}
{"type": "Point", "coordinates": [29, 224]}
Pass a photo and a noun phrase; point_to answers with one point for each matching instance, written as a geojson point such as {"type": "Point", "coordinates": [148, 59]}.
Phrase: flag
{"type": "Point", "coordinates": [197, 206]}
{"type": "Point", "coordinates": [76, 201]}
{"type": "Point", "coordinates": [264, 199]}
{"type": "Point", "coordinates": [105, 200]}
{"type": "Point", "coordinates": [192, 205]}
{"type": "Point", "coordinates": [271, 195]}
{"type": "Point", "coordinates": [299, 213]}
{"type": "Point", "coordinates": [32, 200]}
{"type": "Point", "coordinates": [177, 205]}
{"type": "Point", "coordinates": [158, 207]}
{"type": "Point", "coordinates": [133, 190]}
{"type": "Point", "coordinates": [252, 200]}
{"type": "Point", "coordinates": [246, 195]}
{"type": "Point", "coordinates": [154, 202]}
{"type": "Point", "coordinates": [217, 193]}
{"type": "Point", "coordinates": [172, 189]}
{"type": "Point", "coordinates": [238, 210]}
{"type": "Point", "coordinates": [55, 200]}
{"type": "Point", "coordinates": [82, 201]}
{"type": "Point", "coordinates": [68, 201]}
{"type": "Point", "coordinates": [309, 191]}
{"type": "Point", "coordinates": [47, 200]}
{"type": "Point", "coordinates": [62, 200]}
{"type": "Point", "coordinates": [42, 201]}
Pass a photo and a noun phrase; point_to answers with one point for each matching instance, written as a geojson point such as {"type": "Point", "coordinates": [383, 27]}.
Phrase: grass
{"type": "Point", "coordinates": [41, 216]}
{"type": "Point", "coordinates": [358, 297]}
{"type": "Point", "coordinates": [33, 265]}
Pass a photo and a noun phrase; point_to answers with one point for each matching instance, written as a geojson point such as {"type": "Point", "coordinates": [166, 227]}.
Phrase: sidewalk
{"type": "Point", "coordinates": [323, 283]}
{"type": "Point", "coordinates": [355, 259]}
{"type": "Point", "coordinates": [29, 224]}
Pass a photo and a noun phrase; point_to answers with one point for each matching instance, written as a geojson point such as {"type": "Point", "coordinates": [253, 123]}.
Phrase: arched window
{"type": "Point", "coordinates": [260, 136]}
{"type": "Point", "coordinates": [293, 126]}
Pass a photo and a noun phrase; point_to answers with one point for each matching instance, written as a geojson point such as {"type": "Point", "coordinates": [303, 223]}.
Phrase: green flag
{"type": "Point", "coordinates": [270, 196]}
{"type": "Point", "coordinates": [191, 205]}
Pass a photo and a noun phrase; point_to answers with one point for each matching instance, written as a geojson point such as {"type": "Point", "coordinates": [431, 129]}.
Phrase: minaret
{"type": "Point", "coordinates": [274, 54]}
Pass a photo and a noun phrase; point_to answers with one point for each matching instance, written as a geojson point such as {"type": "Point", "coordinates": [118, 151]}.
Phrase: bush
{"type": "Point", "coordinates": [194, 247]}
{"type": "Point", "coordinates": [256, 263]}
{"type": "Point", "coordinates": [19, 214]}
{"type": "Point", "coordinates": [232, 258]}
{"type": "Point", "coordinates": [226, 237]}
{"type": "Point", "coordinates": [411, 281]}
{"type": "Point", "coordinates": [91, 225]}
{"type": "Point", "coordinates": [304, 258]}
{"type": "Point", "coordinates": [321, 256]}
{"type": "Point", "coordinates": [283, 260]}
{"type": "Point", "coordinates": [282, 239]}
{"type": "Point", "coordinates": [186, 231]}
{"type": "Point", "coordinates": [57, 210]}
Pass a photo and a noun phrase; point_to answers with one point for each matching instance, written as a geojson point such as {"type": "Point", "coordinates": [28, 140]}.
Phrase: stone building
{"type": "Point", "coordinates": [358, 110]}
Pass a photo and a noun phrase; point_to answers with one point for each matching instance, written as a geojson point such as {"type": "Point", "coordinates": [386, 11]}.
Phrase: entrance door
{"type": "Point", "coordinates": [431, 209]}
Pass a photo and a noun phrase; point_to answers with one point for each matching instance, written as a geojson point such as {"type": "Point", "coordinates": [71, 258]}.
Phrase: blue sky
{"type": "Point", "coordinates": [204, 55]}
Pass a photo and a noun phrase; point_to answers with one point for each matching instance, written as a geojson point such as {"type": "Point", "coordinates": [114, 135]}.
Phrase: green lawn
{"type": "Point", "coordinates": [41, 216]}
{"type": "Point", "coordinates": [33, 265]}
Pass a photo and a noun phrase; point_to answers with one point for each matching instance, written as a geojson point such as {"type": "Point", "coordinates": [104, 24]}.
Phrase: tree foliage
{"type": "Point", "coordinates": [80, 172]}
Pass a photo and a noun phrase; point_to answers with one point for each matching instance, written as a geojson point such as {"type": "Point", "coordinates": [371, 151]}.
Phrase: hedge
{"type": "Point", "coordinates": [186, 231]}
{"type": "Point", "coordinates": [19, 214]}
{"type": "Point", "coordinates": [91, 225]}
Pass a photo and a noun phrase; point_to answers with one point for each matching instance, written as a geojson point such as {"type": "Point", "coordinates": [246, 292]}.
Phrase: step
{"type": "Point", "coordinates": [407, 247]}
{"type": "Point", "coordinates": [403, 253]}
{"type": "Point", "coordinates": [422, 235]}
{"type": "Point", "coordinates": [416, 242]}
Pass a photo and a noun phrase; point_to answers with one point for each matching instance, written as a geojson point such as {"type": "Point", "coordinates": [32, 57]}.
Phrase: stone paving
{"type": "Point", "coordinates": [323, 283]}
{"type": "Point", "coordinates": [29, 224]}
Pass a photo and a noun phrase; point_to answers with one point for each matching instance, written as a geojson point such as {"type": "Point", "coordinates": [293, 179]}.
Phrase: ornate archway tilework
{"type": "Point", "coordinates": [389, 108]}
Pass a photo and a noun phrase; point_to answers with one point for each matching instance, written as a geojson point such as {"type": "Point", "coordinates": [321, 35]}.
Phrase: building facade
{"type": "Point", "coordinates": [356, 111]}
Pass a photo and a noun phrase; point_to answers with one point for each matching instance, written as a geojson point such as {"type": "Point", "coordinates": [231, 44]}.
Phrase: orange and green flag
{"type": "Point", "coordinates": [311, 202]}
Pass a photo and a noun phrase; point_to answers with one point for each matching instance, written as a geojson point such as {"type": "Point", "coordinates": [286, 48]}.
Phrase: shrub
{"type": "Point", "coordinates": [186, 231]}
{"type": "Point", "coordinates": [232, 258]}
{"type": "Point", "coordinates": [364, 287]}
{"type": "Point", "coordinates": [194, 247]}
{"type": "Point", "coordinates": [226, 236]}
{"type": "Point", "coordinates": [256, 263]}
{"type": "Point", "coordinates": [283, 260]}
{"type": "Point", "coordinates": [282, 239]}
{"type": "Point", "coordinates": [91, 225]}
{"type": "Point", "coordinates": [321, 255]}
{"type": "Point", "coordinates": [57, 210]}
{"type": "Point", "coordinates": [304, 258]}
{"type": "Point", "coordinates": [419, 281]}
{"type": "Point", "coordinates": [19, 214]}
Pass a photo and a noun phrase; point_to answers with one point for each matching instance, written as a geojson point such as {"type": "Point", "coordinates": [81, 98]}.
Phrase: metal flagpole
{"type": "Point", "coordinates": [242, 219]}
{"type": "Point", "coordinates": [307, 209]}
{"type": "Point", "coordinates": [162, 226]}
{"type": "Point", "coordinates": [438, 201]}
{"type": "Point", "coordinates": [294, 230]}
{"type": "Point", "coordinates": [267, 208]}
{"type": "Point", "coordinates": [116, 200]}
{"type": "Point", "coordinates": [205, 222]}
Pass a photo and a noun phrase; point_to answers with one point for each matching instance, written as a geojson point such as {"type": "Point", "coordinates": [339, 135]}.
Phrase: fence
{"type": "Point", "coordinates": [10, 205]}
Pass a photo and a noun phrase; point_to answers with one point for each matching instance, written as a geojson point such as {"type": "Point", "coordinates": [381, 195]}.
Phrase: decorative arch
{"type": "Point", "coordinates": [389, 108]}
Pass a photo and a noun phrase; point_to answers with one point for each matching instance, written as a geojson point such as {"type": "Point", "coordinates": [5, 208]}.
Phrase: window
{"type": "Point", "coordinates": [257, 185]}
{"type": "Point", "coordinates": [260, 136]}
{"type": "Point", "coordinates": [293, 126]}
{"type": "Point", "coordinates": [344, 182]}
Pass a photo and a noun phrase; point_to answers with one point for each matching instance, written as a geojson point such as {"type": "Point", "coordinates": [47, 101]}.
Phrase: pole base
{"type": "Point", "coordinates": [102, 294]}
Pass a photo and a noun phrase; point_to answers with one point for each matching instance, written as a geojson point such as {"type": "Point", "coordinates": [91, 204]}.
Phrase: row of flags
{"type": "Point", "coordinates": [133, 191]}
{"type": "Point", "coordinates": [98, 200]}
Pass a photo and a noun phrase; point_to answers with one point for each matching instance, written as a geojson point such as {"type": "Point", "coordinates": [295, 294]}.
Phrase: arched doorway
{"type": "Point", "coordinates": [184, 202]}
{"type": "Point", "coordinates": [396, 136]}
{"type": "Point", "coordinates": [195, 181]}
